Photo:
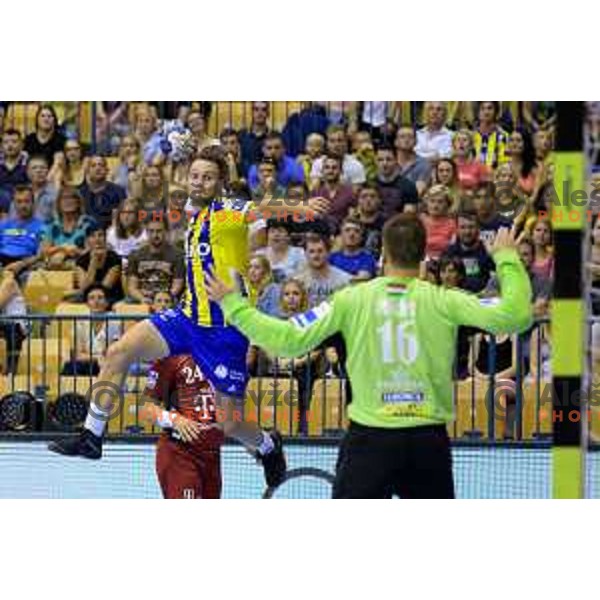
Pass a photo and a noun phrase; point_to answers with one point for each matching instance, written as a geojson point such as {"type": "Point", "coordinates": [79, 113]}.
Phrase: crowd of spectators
{"type": "Point", "coordinates": [466, 168]}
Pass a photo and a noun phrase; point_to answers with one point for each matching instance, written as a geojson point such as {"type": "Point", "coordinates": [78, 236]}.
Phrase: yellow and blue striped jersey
{"type": "Point", "coordinates": [216, 240]}
{"type": "Point", "coordinates": [490, 149]}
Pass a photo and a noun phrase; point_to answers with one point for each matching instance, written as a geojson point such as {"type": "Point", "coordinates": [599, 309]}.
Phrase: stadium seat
{"type": "Point", "coordinates": [277, 399]}
{"type": "Point", "coordinates": [18, 383]}
{"type": "Point", "coordinates": [65, 329]}
{"type": "Point", "coordinates": [68, 384]}
{"type": "Point", "coordinates": [534, 410]}
{"type": "Point", "coordinates": [327, 411]}
{"type": "Point", "coordinates": [21, 116]}
{"type": "Point", "coordinates": [42, 360]}
{"type": "Point", "coordinates": [239, 115]}
{"type": "Point", "coordinates": [464, 413]}
{"type": "Point", "coordinates": [45, 290]}
{"type": "Point", "coordinates": [125, 308]}
{"type": "Point", "coordinates": [127, 419]}
{"type": "Point", "coordinates": [474, 414]}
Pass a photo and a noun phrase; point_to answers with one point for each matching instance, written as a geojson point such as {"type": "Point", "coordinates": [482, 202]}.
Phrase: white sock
{"type": "Point", "coordinates": [266, 445]}
{"type": "Point", "coordinates": [96, 420]}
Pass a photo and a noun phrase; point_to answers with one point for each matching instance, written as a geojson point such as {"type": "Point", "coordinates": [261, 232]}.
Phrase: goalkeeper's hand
{"type": "Point", "coordinates": [506, 238]}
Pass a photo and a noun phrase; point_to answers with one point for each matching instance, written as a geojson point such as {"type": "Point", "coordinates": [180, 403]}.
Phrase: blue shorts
{"type": "Point", "coordinates": [220, 352]}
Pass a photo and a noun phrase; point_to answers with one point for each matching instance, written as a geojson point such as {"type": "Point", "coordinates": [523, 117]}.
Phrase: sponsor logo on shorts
{"type": "Point", "coordinates": [170, 313]}
{"type": "Point", "coordinates": [237, 376]}
{"type": "Point", "coordinates": [221, 371]}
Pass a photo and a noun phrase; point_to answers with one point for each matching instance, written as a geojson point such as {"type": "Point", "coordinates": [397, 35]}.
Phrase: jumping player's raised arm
{"type": "Point", "coordinates": [511, 313]}
{"type": "Point", "coordinates": [286, 339]}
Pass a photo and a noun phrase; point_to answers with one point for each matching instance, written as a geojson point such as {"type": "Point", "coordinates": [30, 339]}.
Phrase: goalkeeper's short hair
{"type": "Point", "coordinates": [404, 240]}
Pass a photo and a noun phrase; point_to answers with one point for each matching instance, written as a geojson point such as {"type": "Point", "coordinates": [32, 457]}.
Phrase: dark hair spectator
{"type": "Point", "coordinates": [47, 139]}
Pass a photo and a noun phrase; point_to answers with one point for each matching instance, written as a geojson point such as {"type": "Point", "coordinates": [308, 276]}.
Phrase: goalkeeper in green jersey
{"type": "Point", "coordinates": [400, 333]}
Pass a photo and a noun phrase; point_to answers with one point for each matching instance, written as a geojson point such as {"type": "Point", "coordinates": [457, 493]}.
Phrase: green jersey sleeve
{"type": "Point", "coordinates": [287, 339]}
{"type": "Point", "coordinates": [511, 313]}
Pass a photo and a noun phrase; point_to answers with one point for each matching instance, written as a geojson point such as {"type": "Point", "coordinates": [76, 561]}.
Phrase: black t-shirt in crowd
{"type": "Point", "coordinates": [112, 260]}
{"type": "Point", "coordinates": [396, 194]}
{"type": "Point", "coordinates": [478, 264]}
{"type": "Point", "coordinates": [100, 205]}
{"type": "Point", "coordinates": [48, 149]}
{"type": "Point", "coordinates": [373, 235]}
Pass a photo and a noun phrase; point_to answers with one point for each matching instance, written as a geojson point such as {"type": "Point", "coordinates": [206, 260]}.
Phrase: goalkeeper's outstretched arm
{"type": "Point", "coordinates": [286, 339]}
{"type": "Point", "coordinates": [511, 313]}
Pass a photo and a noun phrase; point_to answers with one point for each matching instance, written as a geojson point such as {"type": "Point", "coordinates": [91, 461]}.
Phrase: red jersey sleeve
{"type": "Point", "coordinates": [160, 382]}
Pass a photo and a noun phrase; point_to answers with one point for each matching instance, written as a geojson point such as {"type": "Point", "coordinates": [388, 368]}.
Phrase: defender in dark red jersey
{"type": "Point", "coordinates": [188, 456]}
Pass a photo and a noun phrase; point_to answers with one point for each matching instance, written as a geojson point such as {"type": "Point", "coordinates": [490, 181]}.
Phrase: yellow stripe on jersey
{"type": "Point", "coordinates": [217, 239]}
{"type": "Point", "coordinates": [491, 150]}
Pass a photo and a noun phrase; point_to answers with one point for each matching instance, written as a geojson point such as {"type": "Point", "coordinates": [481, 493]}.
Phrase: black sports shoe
{"type": "Point", "coordinates": [274, 462]}
{"type": "Point", "coordinates": [86, 445]}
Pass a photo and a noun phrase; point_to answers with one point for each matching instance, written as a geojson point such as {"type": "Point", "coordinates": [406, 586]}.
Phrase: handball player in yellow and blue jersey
{"type": "Point", "coordinates": [217, 241]}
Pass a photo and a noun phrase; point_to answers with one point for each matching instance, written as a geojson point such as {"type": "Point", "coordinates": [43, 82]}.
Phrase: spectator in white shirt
{"type": "Point", "coordinates": [434, 141]}
{"type": "Point", "coordinates": [93, 336]}
{"type": "Point", "coordinates": [374, 116]}
{"type": "Point", "coordinates": [353, 173]}
{"type": "Point", "coordinates": [126, 234]}
{"type": "Point", "coordinates": [284, 259]}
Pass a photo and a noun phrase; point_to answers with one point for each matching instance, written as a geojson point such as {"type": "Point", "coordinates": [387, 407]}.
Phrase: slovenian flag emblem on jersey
{"type": "Point", "coordinates": [306, 319]}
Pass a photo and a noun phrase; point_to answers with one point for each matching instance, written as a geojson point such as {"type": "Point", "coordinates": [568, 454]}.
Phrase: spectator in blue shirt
{"type": "Point", "coordinates": [353, 258]}
{"type": "Point", "coordinates": [100, 196]}
{"type": "Point", "coordinates": [266, 181]}
{"type": "Point", "coordinates": [251, 140]}
{"type": "Point", "coordinates": [312, 118]}
{"type": "Point", "coordinates": [20, 236]}
{"type": "Point", "coordinates": [13, 166]}
{"type": "Point", "coordinates": [288, 170]}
